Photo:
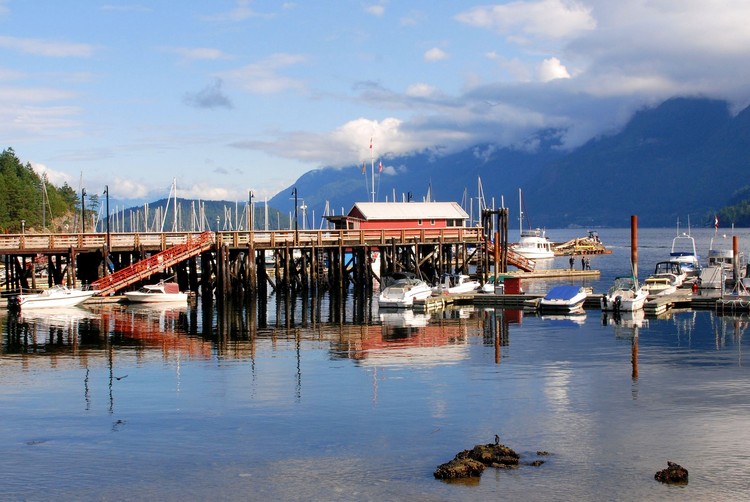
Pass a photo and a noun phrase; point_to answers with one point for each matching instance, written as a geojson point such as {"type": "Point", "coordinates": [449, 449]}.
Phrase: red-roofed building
{"type": "Point", "coordinates": [397, 215]}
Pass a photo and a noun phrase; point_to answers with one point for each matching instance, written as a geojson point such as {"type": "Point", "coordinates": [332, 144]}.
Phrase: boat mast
{"type": "Point", "coordinates": [372, 171]}
{"type": "Point", "coordinates": [520, 214]}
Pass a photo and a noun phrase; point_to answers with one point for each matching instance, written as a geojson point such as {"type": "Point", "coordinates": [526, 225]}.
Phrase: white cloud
{"type": "Point", "coordinates": [241, 11]}
{"type": "Point", "coordinates": [552, 69]}
{"type": "Point", "coordinates": [375, 9]}
{"type": "Point", "coordinates": [263, 77]}
{"type": "Point", "coordinates": [48, 48]}
{"type": "Point", "coordinates": [57, 178]}
{"type": "Point", "coordinates": [420, 90]}
{"type": "Point", "coordinates": [542, 18]}
{"type": "Point", "coordinates": [198, 53]}
{"type": "Point", "coordinates": [435, 54]}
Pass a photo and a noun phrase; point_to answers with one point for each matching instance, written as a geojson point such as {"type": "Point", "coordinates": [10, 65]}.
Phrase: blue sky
{"type": "Point", "coordinates": [238, 95]}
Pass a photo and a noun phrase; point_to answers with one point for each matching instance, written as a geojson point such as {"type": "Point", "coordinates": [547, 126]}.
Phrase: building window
{"type": "Point", "coordinates": [432, 222]}
{"type": "Point", "coordinates": [419, 221]}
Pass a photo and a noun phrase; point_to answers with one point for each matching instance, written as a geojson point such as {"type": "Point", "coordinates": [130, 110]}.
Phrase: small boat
{"type": "Point", "coordinates": [56, 296]}
{"type": "Point", "coordinates": [403, 292]}
{"type": "Point", "coordinates": [455, 284]}
{"type": "Point", "coordinates": [625, 295]}
{"type": "Point", "coordinates": [721, 266]}
{"type": "Point", "coordinates": [162, 292]}
{"type": "Point", "coordinates": [563, 299]}
{"type": "Point", "coordinates": [683, 251]}
{"type": "Point", "coordinates": [671, 267]}
{"type": "Point", "coordinates": [533, 244]}
{"type": "Point", "coordinates": [660, 285]}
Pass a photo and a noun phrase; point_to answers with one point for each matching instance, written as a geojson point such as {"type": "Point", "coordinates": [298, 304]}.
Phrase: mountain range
{"type": "Point", "coordinates": [686, 157]}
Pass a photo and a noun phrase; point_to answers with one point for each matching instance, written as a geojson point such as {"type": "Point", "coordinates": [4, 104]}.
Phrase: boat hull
{"type": "Point", "coordinates": [137, 297]}
{"type": "Point", "coordinates": [56, 297]}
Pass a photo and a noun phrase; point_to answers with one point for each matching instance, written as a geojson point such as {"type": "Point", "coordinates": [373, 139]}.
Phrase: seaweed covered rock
{"type": "Point", "coordinates": [459, 468]}
{"type": "Point", "coordinates": [493, 455]}
{"type": "Point", "coordinates": [673, 474]}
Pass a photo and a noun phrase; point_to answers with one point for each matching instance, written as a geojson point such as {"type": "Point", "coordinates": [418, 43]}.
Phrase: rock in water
{"type": "Point", "coordinates": [459, 468]}
{"type": "Point", "coordinates": [674, 473]}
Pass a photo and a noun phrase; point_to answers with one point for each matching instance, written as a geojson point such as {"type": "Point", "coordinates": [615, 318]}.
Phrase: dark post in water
{"type": "Point", "coordinates": [634, 244]}
{"type": "Point", "coordinates": [735, 259]}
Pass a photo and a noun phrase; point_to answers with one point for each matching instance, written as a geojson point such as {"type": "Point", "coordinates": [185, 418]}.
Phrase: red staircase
{"type": "Point", "coordinates": [517, 260]}
{"type": "Point", "coordinates": [112, 283]}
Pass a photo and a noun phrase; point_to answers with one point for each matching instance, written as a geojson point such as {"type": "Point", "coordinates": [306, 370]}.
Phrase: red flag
{"type": "Point", "coordinates": [380, 167]}
{"type": "Point", "coordinates": [364, 169]}
{"type": "Point", "coordinates": [370, 142]}
{"type": "Point", "coordinates": [716, 222]}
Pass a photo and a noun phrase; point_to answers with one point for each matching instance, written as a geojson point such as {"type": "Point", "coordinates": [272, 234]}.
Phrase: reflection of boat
{"type": "Point", "coordinates": [402, 293]}
{"type": "Point", "coordinates": [631, 319]}
{"type": "Point", "coordinates": [625, 295]}
{"type": "Point", "coordinates": [57, 296]}
{"type": "Point", "coordinates": [58, 316]}
{"type": "Point", "coordinates": [533, 243]}
{"type": "Point", "coordinates": [162, 292]}
{"type": "Point", "coordinates": [571, 318]}
{"type": "Point", "coordinates": [455, 283]}
{"type": "Point", "coordinates": [403, 318]}
{"type": "Point", "coordinates": [563, 298]}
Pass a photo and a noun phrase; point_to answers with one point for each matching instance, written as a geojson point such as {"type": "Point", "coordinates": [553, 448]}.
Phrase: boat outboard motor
{"type": "Point", "coordinates": [604, 302]}
{"type": "Point", "coordinates": [618, 303]}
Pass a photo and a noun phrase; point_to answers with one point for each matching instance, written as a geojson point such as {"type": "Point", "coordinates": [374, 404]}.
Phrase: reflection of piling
{"type": "Point", "coordinates": [634, 358]}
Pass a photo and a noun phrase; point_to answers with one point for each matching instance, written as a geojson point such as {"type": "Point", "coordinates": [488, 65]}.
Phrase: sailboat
{"type": "Point", "coordinates": [532, 244]}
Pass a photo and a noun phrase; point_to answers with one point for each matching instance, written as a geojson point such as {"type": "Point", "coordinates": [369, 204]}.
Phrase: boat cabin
{"type": "Point", "coordinates": [398, 215]}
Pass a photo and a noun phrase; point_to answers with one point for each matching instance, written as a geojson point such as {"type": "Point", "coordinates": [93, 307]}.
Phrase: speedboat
{"type": "Point", "coordinates": [671, 267]}
{"type": "Point", "coordinates": [625, 295]}
{"type": "Point", "coordinates": [563, 299]}
{"type": "Point", "coordinates": [454, 284]}
{"type": "Point", "coordinates": [660, 285]}
{"type": "Point", "coordinates": [721, 266]}
{"type": "Point", "coordinates": [57, 296]}
{"type": "Point", "coordinates": [402, 293]}
{"type": "Point", "coordinates": [162, 292]}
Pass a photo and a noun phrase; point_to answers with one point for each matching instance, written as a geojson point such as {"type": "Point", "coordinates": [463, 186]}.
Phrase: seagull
{"type": "Point", "coordinates": [120, 378]}
{"type": "Point", "coordinates": [497, 439]}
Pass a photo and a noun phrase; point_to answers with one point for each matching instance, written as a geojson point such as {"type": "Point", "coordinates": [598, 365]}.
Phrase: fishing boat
{"type": "Point", "coordinates": [533, 243]}
{"type": "Point", "coordinates": [683, 251]}
{"type": "Point", "coordinates": [162, 292]}
{"type": "Point", "coordinates": [57, 296]}
{"type": "Point", "coordinates": [721, 265]}
{"type": "Point", "coordinates": [563, 299]}
{"type": "Point", "coordinates": [402, 293]}
{"type": "Point", "coordinates": [455, 284]}
{"type": "Point", "coordinates": [625, 295]}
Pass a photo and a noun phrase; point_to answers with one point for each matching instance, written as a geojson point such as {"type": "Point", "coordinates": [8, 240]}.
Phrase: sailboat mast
{"type": "Point", "coordinates": [520, 213]}
{"type": "Point", "coordinates": [372, 171]}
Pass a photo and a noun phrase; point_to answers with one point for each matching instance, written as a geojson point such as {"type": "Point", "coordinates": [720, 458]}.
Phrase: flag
{"type": "Point", "coordinates": [716, 222]}
{"type": "Point", "coordinates": [380, 167]}
{"type": "Point", "coordinates": [370, 142]}
{"type": "Point", "coordinates": [364, 169]}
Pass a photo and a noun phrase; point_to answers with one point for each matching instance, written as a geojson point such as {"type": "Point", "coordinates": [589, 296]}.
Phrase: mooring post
{"type": "Point", "coordinates": [735, 258]}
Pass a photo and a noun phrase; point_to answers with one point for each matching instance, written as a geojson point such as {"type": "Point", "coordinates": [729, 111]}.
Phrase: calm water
{"type": "Point", "coordinates": [322, 399]}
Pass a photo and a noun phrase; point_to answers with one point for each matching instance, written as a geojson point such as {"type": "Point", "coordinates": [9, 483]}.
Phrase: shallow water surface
{"type": "Point", "coordinates": [319, 399]}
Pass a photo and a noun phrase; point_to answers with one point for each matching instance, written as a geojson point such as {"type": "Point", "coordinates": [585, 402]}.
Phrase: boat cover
{"type": "Point", "coordinates": [562, 292]}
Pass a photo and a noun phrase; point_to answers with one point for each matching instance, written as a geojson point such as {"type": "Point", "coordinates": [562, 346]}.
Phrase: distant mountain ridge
{"type": "Point", "coordinates": [685, 157]}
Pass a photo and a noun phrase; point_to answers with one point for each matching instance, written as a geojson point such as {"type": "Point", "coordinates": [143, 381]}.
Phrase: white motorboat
{"type": "Point", "coordinates": [671, 267]}
{"type": "Point", "coordinates": [721, 266]}
{"type": "Point", "coordinates": [625, 295]}
{"type": "Point", "coordinates": [403, 292]}
{"type": "Point", "coordinates": [660, 285]}
{"type": "Point", "coordinates": [57, 296]}
{"type": "Point", "coordinates": [563, 299]}
{"type": "Point", "coordinates": [455, 284]}
{"type": "Point", "coordinates": [683, 251]}
{"type": "Point", "coordinates": [533, 243]}
{"type": "Point", "coordinates": [162, 292]}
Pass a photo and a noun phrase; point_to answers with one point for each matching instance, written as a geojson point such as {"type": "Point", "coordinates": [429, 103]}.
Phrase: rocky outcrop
{"type": "Point", "coordinates": [673, 474]}
{"type": "Point", "coordinates": [471, 463]}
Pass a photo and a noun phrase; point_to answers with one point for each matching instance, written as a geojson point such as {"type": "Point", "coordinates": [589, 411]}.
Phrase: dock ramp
{"type": "Point", "coordinates": [154, 264]}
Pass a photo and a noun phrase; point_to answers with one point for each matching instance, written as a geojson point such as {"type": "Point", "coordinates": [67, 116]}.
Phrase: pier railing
{"type": "Point", "coordinates": [61, 243]}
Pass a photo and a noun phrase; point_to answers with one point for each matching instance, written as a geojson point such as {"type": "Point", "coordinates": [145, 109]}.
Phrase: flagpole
{"type": "Point", "coordinates": [372, 171]}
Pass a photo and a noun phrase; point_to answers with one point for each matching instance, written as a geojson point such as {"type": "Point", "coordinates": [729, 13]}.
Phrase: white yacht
{"type": "Point", "coordinates": [533, 244]}
{"type": "Point", "coordinates": [625, 295]}
{"type": "Point", "coordinates": [683, 251]}
{"type": "Point", "coordinates": [402, 293]}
